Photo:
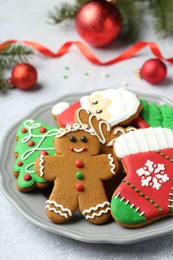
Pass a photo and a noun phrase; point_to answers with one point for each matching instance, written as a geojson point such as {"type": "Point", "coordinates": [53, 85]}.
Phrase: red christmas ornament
{"type": "Point", "coordinates": [154, 71]}
{"type": "Point", "coordinates": [98, 22]}
{"type": "Point", "coordinates": [24, 76]}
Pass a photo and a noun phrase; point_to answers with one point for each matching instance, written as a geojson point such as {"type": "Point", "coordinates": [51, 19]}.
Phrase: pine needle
{"type": "Point", "coordinates": [131, 12]}
{"type": "Point", "coordinates": [3, 82]}
{"type": "Point", "coordinates": [15, 53]}
{"type": "Point", "coordinates": [65, 11]}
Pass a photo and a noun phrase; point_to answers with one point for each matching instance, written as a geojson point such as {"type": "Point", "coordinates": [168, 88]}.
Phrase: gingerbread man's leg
{"type": "Point", "coordinates": [61, 204]}
{"type": "Point", "coordinates": [94, 205]}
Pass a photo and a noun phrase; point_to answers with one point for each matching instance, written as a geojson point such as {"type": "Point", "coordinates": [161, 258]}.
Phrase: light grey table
{"type": "Point", "coordinates": [27, 20]}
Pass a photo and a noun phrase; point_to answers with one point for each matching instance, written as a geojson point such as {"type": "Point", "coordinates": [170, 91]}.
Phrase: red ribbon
{"type": "Point", "coordinates": [129, 53]}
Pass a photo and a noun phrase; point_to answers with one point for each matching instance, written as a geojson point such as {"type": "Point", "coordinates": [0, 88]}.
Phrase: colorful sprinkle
{"type": "Point", "coordinates": [65, 77]}
{"type": "Point", "coordinates": [66, 68]}
{"type": "Point", "coordinates": [86, 74]}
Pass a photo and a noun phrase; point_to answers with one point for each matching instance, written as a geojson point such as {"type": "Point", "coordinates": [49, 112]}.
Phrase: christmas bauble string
{"type": "Point", "coordinates": [129, 53]}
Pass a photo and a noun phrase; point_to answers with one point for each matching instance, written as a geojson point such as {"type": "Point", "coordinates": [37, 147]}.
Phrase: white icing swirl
{"type": "Point", "coordinates": [111, 160]}
{"type": "Point", "coordinates": [59, 206]}
{"type": "Point", "coordinates": [41, 165]}
{"type": "Point", "coordinates": [96, 207]}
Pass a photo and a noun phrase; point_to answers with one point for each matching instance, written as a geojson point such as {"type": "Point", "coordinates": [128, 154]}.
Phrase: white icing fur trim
{"type": "Point", "coordinates": [143, 140]}
{"type": "Point", "coordinates": [58, 108]}
{"type": "Point", "coordinates": [59, 206]}
{"type": "Point", "coordinates": [56, 211]}
{"type": "Point", "coordinates": [41, 165]}
{"type": "Point", "coordinates": [111, 160]}
{"type": "Point", "coordinates": [96, 207]}
{"type": "Point", "coordinates": [98, 214]}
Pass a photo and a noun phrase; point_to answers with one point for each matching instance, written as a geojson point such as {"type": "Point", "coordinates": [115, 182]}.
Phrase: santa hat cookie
{"type": "Point", "coordinates": [146, 193]}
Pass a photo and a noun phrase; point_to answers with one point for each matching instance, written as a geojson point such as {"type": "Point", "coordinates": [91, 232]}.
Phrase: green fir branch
{"type": "Point", "coordinates": [15, 53]}
{"type": "Point", "coordinates": [131, 12]}
{"type": "Point", "coordinates": [64, 12]}
{"type": "Point", "coordinates": [3, 82]}
{"type": "Point", "coordinates": [162, 11]}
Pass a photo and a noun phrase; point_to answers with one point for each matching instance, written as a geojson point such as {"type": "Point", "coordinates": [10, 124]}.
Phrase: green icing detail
{"type": "Point", "coordinates": [151, 201]}
{"type": "Point", "coordinates": [171, 160]}
{"type": "Point", "coordinates": [156, 205]}
{"type": "Point", "coordinates": [28, 154]}
{"type": "Point", "coordinates": [171, 208]}
{"type": "Point", "coordinates": [167, 157]}
{"type": "Point", "coordinates": [160, 209]}
{"type": "Point", "coordinates": [141, 194]}
{"type": "Point", "coordinates": [127, 182]}
{"type": "Point", "coordinates": [123, 180]}
{"type": "Point", "coordinates": [147, 198]}
{"type": "Point", "coordinates": [79, 175]}
{"type": "Point", "coordinates": [136, 190]}
{"type": "Point", "coordinates": [132, 186]}
{"type": "Point", "coordinates": [124, 214]}
{"type": "Point", "coordinates": [156, 115]}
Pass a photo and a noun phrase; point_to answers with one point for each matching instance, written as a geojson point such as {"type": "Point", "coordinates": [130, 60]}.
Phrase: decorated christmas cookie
{"type": "Point", "coordinates": [33, 139]}
{"type": "Point", "coordinates": [155, 115]}
{"type": "Point", "coordinates": [146, 193]}
{"type": "Point", "coordinates": [116, 106]}
{"type": "Point", "coordinates": [78, 172]}
{"type": "Point", "coordinates": [107, 136]}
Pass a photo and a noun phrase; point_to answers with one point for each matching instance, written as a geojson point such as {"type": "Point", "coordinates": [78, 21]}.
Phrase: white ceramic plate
{"type": "Point", "coordinates": [32, 204]}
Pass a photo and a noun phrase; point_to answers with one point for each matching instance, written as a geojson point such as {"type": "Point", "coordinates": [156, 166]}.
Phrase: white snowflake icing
{"type": "Point", "coordinates": [152, 175]}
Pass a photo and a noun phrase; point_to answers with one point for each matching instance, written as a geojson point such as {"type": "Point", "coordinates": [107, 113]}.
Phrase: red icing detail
{"type": "Point", "coordinates": [43, 130]}
{"type": "Point", "coordinates": [139, 123]}
{"type": "Point", "coordinates": [44, 153]}
{"type": "Point", "coordinates": [31, 143]}
{"type": "Point", "coordinates": [132, 163]}
{"type": "Point", "coordinates": [20, 163]}
{"type": "Point", "coordinates": [24, 130]}
{"type": "Point", "coordinates": [79, 187]}
{"type": "Point", "coordinates": [79, 164]}
{"type": "Point", "coordinates": [27, 177]}
{"type": "Point", "coordinates": [72, 148]}
{"type": "Point", "coordinates": [67, 116]}
{"type": "Point", "coordinates": [85, 148]}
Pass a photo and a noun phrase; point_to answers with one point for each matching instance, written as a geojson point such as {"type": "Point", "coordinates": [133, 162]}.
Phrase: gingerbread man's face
{"type": "Point", "coordinates": [99, 106]}
{"type": "Point", "coordinates": [77, 142]}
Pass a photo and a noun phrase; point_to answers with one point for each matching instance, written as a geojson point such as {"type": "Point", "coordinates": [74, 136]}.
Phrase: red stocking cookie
{"type": "Point", "coordinates": [78, 171]}
{"type": "Point", "coordinates": [145, 194]}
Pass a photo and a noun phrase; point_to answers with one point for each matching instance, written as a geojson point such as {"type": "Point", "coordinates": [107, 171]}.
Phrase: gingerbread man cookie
{"type": "Point", "coordinates": [146, 193]}
{"type": "Point", "coordinates": [33, 138]}
{"type": "Point", "coordinates": [78, 172]}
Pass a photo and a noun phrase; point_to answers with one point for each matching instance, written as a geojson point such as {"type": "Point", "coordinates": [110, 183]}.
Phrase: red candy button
{"type": "Point", "coordinates": [20, 163]}
{"type": "Point", "coordinates": [43, 130]}
{"type": "Point", "coordinates": [44, 153]}
{"type": "Point", "coordinates": [79, 187]}
{"type": "Point", "coordinates": [79, 164]}
{"type": "Point", "coordinates": [24, 130]}
{"type": "Point", "coordinates": [31, 143]}
{"type": "Point", "coordinates": [27, 177]}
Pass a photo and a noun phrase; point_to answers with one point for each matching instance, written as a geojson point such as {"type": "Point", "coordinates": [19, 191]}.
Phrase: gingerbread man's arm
{"type": "Point", "coordinates": [48, 166]}
{"type": "Point", "coordinates": [108, 165]}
